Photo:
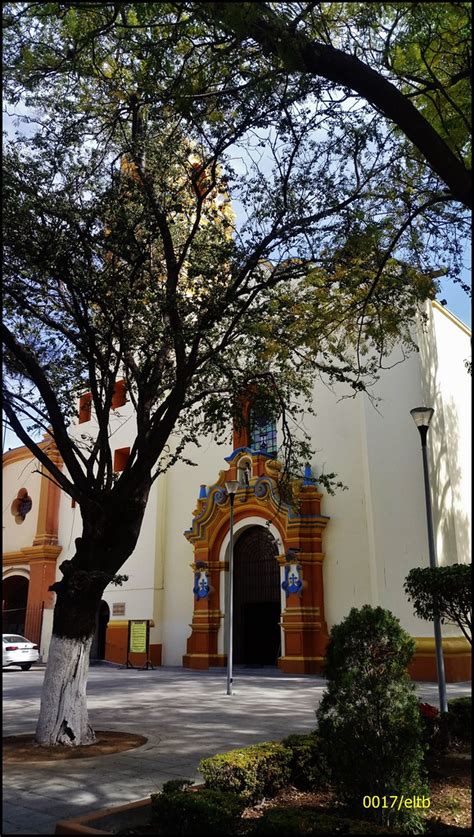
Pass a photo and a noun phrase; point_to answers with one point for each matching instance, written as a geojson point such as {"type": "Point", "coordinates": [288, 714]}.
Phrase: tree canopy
{"type": "Point", "coordinates": [410, 61]}
{"type": "Point", "coordinates": [329, 239]}
{"type": "Point", "coordinates": [443, 591]}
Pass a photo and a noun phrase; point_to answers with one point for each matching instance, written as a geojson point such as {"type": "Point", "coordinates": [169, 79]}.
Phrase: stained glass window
{"type": "Point", "coordinates": [263, 434]}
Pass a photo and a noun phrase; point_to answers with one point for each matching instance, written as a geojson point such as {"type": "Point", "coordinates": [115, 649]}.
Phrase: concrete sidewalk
{"type": "Point", "coordinates": [185, 716]}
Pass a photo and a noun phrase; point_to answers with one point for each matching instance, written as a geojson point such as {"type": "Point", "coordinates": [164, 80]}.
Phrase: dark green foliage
{"type": "Point", "coordinates": [173, 785]}
{"type": "Point", "coordinates": [440, 729]}
{"type": "Point", "coordinates": [369, 721]}
{"type": "Point", "coordinates": [435, 731]}
{"type": "Point", "coordinates": [299, 821]}
{"type": "Point", "coordinates": [196, 812]}
{"type": "Point", "coordinates": [460, 718]}
{"type": "Point", "coordinates": [253, 772]}
{"type": "Point", "coordinates": [446, 591]}
{"type": "Point", "coordinates": [308, 767]}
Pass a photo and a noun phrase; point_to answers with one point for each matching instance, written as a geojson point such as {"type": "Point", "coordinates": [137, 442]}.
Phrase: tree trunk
{"type": "Point", "coordinates": [63, 715]}
{"type": "Point", "coordinates": [108, 538]}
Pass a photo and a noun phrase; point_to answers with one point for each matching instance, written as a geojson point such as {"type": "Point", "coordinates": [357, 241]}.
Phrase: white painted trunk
{"type": "Point", "coordinates": [63, 717]}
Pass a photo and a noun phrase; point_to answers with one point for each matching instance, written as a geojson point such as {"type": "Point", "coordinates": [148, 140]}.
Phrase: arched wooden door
{"type": "Point", "coordinates": [257, 602]}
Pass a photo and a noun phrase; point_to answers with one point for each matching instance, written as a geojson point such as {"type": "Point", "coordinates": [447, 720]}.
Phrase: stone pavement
{"type": "Point", "coordinates": [185, 715]}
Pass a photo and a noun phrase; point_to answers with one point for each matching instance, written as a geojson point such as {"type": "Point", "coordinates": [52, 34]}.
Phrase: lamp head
{"type": "Point", "coordinates": [232, 486]}
{"type": "Point", "coordinates": [422, 416]}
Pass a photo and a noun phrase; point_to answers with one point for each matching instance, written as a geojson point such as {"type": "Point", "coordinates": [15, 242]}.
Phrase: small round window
{"type": "Point", "coordinates": [21, 505]}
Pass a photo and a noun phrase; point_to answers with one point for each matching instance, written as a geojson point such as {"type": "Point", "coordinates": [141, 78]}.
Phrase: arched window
{"type": "Point", "coordinates": [263, 433]}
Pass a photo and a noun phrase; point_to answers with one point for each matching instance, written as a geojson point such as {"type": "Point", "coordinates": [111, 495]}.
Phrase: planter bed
{"type": "Point", "coordinates": [285, 808]}
{"type": "Point", "coordinates": [108, 820]}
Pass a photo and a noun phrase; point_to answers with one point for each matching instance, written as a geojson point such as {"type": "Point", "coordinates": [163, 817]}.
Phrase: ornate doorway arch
{"type": "Point", "coordinates": [257, 599]}
{"type": "Point", "coordinates": [299, 530]}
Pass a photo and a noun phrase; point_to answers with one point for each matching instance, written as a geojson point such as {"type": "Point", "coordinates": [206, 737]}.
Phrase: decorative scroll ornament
{"type": "Point", "coordinates": [261, 488]}
{"type": "Point", "coordinates": [293, 582]}
{"type": "Point", "coordinates": [220, 497]}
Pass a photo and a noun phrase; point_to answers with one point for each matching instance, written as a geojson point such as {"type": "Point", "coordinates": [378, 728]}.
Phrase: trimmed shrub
{"type": "Point", "coordinates": [177, 785]}
{"type": "Point", "coordinates": [253, 772]}
{"type": "Point", "coordinates": [306, 821]}
{"type": "Point", "coordinates": [369, 721]}
{"type": "Point", "coordinates": [307, 766]}
{"type": "Point", "coordinates": [201, 812]}
{"type": "Point", "coordinates": [460, 718]}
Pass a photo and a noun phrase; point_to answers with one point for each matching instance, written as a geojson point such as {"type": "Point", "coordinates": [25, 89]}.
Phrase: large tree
{"type": "Point", "coordinates": [124, 259]}
{"type": "Point", "coordinates": [410, 61]}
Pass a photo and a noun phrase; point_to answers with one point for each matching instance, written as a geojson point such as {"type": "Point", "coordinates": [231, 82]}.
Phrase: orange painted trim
{"type": "Point", "coordinates": [119, 396]}
{"type": "Point", "coordinates": [249, 510]}
{"type": "Point", "coordinates": [17, 557]}
{"type": "Point", "coordinates": [202, 662]}
{"type": "Point", "coordinates": [20, 453]}
{"type": "Point", "coordinates": [306, 635]}
{"type": "Point", "coordinates": [42, 552]}
{"type": "Point", "coordinates": [116, 647]}
{"type": "Point", "coordinates": [85, 408]}
{"type": "Point", "coordinates": [241, 429]}
{"type": "Point", "coordinates": [123, 623]}
{"type": "Point", "coordinates": [121, 457]}
{"type": "Point", "coordinates": [301, 665]}
{"type": "Point", "coordinates": [29, 554]}
{"type": "Point", "coordinates": [42, 576]}
{"type": "Point", "coordinates": [457, 660]}
{"type": "Point", "coordinates": [48, 511]}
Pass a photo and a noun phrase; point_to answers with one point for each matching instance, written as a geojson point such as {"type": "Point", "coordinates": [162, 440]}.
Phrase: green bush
{"type": "Point", "coordinates": [306, 821]}
{"type": "Point", "coordinates": [369, 721]}
{"type": "Point", "coordinates": [201, 812]}
{"type": "Point", "coordinates": [176, 785]}
{"type": "Point", "coordinates": [308, 767]}
{"type": "Point", "coordinates": [435, 731]}
{"type": "Point", "coordinates": [460, 718]}
{"type": "Point", "coordinates": [253, 772]}
{"type": "Point", "coordinates": [442, 591]}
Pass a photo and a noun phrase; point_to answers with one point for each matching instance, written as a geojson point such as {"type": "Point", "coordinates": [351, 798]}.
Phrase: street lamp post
{"type": "Point", "coordinates": [232, 488]}
{"type": "Point", "coordinates": [422, 417]}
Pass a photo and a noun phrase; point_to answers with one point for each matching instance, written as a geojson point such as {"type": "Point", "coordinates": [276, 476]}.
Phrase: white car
{"type": "Point", "coordinates": [18, 651]}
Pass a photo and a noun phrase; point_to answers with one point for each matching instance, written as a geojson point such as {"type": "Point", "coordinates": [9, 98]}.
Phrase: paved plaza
{"type": "Point", "coordinates": [185, 716]}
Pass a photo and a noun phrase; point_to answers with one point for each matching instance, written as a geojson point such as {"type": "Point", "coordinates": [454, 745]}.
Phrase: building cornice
{"type": "Point", "coordinates": [436, 305]}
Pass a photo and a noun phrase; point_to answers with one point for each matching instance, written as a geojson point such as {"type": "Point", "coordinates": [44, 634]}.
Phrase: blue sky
{"type": "Point", "coordinates": [459, 303]}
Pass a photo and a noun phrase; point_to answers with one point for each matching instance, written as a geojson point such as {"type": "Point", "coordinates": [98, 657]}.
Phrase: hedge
{"type": "Point", "coordinates": [253, 772]}
{"type": "Point", "coordinates": [460, 718]}
{"type": "Point", "coordinates": [299, 822]}
{"type": "Point", "coordinates": [308, 767]}
{"type": "Point", "coordinates": [202, 812]}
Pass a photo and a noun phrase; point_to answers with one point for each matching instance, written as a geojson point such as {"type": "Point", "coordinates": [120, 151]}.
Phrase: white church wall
{"type": "Point", "coordinates": [335, 432]}
{"type": "Point", "coordinates": [20, 474]}
{"type": "Point", "coordinates": [394, 485]}
{"type": "Point", "coordinates": [445, 346]}
{"type": "Point", "coordinates": [183, 483]}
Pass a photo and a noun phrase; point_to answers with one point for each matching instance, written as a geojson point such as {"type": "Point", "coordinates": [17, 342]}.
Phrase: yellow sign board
{"type": "Point", "coordinates": [138, 637]}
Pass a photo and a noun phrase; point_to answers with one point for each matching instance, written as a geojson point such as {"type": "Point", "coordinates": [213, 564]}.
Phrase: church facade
{"type": "Point", "coordinates": [297, 571]}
